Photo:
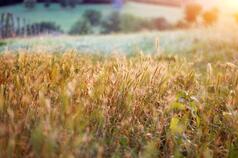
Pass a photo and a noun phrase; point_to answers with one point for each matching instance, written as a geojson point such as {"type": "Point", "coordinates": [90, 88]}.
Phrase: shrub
{"type": "Point", "coordinates": [111, 23]}
{"type": "Point", "coordinates": [81, 27]}
{"type": "Point", "coordinates": [30, 4]}
{"type": "Point", "coordinates": [182, 24]}
{"type": "Point", "coordinates": [2, 43]}
{"type": "Point", "coordinates": [161, 23]}
{"type": "Point", "coordinates": [192, 11]}
{"type": "Point", "coordinates": [46, 27]}
{"type": "Point", "coordinates": [93, 16]}
{"type": "Point", "coordinates": [210, 16]}
{"type": "Point", "coordinates": [47, 3]}
{"type": "Point", "coordinates": [130, 23]}
{"type": "Point", "coordinates": [125, 23]}
{"type": "Point", "coordinates": [63, 3]}
{"type": "Point", "coordinates": [72, 3]}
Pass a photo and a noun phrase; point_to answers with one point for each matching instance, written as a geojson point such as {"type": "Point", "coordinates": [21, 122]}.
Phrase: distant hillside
{"type": "Point", "coordinates": [68, 17]}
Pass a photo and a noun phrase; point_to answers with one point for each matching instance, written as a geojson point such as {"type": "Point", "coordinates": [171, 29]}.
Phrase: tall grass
{"type": "Point", "coordinates": [77, 105]}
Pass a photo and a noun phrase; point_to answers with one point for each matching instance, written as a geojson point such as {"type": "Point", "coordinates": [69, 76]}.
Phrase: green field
{"type": "Point", "coordinates": [67, 17]}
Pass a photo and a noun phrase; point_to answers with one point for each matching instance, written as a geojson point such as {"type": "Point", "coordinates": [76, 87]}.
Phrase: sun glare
{"type": "Point", "coordinates": [230, 4]}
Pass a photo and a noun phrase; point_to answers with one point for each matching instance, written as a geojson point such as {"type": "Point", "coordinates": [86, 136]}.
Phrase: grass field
{"type": "Point", "coordinates": [56, 102]}
{"type": "Point", "coordinates": [68, 16]}
{"type": "Point", "coordinates": [172, 42]}
{"type": "Point", "coordinates": [80, 105]}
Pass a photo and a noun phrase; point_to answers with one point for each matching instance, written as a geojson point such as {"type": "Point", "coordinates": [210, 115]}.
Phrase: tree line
{"type": "Point", "coordinates": [62, 2]}
{"type": "Point", "coordinates": [13, 26]}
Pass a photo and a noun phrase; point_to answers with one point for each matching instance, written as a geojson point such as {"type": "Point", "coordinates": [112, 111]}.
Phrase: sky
{"type": "Point", "coordinates": [225, 5]}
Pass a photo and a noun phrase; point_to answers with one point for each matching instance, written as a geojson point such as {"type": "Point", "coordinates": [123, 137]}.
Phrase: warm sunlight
{"type": "Point", "coordinates": [232, 5]}
{"type": "Point", "coordinates": [118, 78]}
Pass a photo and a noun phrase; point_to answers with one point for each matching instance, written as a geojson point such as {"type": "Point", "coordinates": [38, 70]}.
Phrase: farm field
{"type": "Point", "coordinates": [62, 102]}
{"type": "Point", "coordinates": [66, 18]}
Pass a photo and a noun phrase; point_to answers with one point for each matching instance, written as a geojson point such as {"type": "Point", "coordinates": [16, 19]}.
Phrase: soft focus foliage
{"type": "Point", "coordinates": [192, 11]}
{"type": "Point", "coordinates": [211, 16]}
{"type": "Point", "coordinates": [93, 16]}
{"type": "Point", "coordinates": [30, 4]}
{"type": "Point", "coordinates": [111, 23]}
{"type": "Point", "coordinates": [162, 24]}
{"type": "Point", "coordinates": [47, 26]}
{"type": "Point", "coordinates": [47, 3]}
{"type": "Point", "coordinates": [78, 105]}
{"type": "Point", "coordinates": [72, 3]}
{"type": "Point", "coordinates": [81, 27]}
{"type": "Point", "coordinates": [236, 17]}
{"type": "Point", "coordinates": [130, 23]}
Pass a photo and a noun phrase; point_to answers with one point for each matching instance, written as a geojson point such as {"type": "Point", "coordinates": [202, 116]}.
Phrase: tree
{"type": "Point", "coordinates": [112, 23]}
{"type": "Point", "coordinates": [30, 4]}
{"type": "Point", "coordinates": [93, 16]}
{"type": "Point", "coordinates": [47, 3]}
{"type": "Point", "coordinates": [131, 23]}
{"type": "Point", "coordinates": [81, 27]}
{"type": "Point", "coordinates": [63, 3]}
{"type": "Point", "coordinates": [210, 16]}
{"type": "Point", "coordinates": [192, 11]}
{"type": "Point", "coordinates": [161, 23]}
{"type": "Point", "coordinates": [72, 3]}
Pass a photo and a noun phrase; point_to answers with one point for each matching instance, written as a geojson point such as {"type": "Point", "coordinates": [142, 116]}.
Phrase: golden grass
{"type": "Point", "coordinates": [74, 105]}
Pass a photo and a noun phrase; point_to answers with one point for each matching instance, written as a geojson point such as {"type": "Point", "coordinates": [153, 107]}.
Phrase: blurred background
{"type": "Point", "coordinates": [83, 18]}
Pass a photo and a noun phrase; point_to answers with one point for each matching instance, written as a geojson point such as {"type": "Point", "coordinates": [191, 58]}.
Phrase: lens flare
{"type": "Point", "coordinates": [232, 5]}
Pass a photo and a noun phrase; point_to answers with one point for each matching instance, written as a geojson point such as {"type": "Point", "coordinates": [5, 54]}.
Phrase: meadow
{"type": "Point", "coordinates": [175, 102]}
{"type": "Point", "coordinates": [168, 42]}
